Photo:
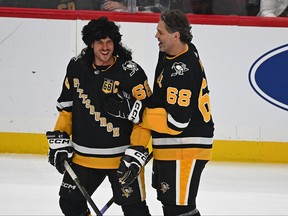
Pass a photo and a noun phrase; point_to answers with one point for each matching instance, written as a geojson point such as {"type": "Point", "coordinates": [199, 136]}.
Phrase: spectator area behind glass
{"type": "Point", "coordinates": [54, 4]}
{"type": "Point", "coordinates": [221, 7]}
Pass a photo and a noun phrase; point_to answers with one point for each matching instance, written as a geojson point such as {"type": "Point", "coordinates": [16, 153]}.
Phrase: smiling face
{"type": "Point", "coordinates": [103, 51]}
{"type": "Point", "coordinates": [163, 36]}
{"type": "Point", "coordinates": [168, 42]}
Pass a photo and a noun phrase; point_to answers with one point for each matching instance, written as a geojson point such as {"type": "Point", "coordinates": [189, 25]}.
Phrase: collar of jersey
{"type": "Point", "coordinates": [172, 57]}
{"type": "Point", "coordinates": [95, 66]}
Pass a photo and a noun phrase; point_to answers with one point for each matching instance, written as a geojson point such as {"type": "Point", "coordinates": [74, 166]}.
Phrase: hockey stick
{"type": "Point", "coordinates": [81, 188]}
{"type": "Point", "coordinates": [111, 201]}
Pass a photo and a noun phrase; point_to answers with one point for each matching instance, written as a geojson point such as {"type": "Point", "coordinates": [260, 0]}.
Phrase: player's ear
{"type": "Point", "coordinates": [176, 35]}
{"type": "Point", "coordinates": [92, 45]}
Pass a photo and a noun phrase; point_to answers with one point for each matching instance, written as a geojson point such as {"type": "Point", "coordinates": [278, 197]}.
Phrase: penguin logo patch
{"type": "Point", "coordinates": [130, 66]}
{"type": "Point", "coordinates": [179, 68]}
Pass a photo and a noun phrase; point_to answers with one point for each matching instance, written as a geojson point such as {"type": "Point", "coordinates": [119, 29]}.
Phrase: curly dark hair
{"type": "Point", "coordinates": [101, 28]}
{"type": "Point", "coordinates": [176, 21]}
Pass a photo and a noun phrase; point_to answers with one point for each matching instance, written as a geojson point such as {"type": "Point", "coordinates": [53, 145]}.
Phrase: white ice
{"type": "Point", "coordinates": [29, 186]}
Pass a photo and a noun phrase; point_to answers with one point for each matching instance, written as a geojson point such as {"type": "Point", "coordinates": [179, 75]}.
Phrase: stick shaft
{"type": "Point", "coordinates": [81, 188]}
{"type": "Point", "coordinates": [107, 205]}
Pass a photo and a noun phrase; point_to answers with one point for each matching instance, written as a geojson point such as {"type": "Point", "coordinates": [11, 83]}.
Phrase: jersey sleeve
{"type": "Point", "coordinates": [137, 83]}
{"type": "Point", "coordinates": [141, 91]}
{"type": "Point", "coordinates": [65, 100]}
{"type": "Point", "coordinates": [65, 103]}
{"type": "Point", "coordinates": [64, 122]}
{"type": "Point", "coordinates": [140, 136]}
{"type": "Point", "coordinates": [156, 119]}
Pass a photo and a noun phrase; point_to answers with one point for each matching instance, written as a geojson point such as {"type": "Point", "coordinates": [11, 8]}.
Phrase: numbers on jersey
{"type": "Point", "coordinates": [110, 86]}
{"type": "Point", "coordinates": [204, 102]}
{"type": "Point", "coordinates": [182, 97]}
{"type": "Point", "coordinates": [141, 91]}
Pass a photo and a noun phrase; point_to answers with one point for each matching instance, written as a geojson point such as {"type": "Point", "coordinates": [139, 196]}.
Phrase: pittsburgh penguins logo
{"type": "Point", "coordinates": [127, 191]}
{"type": "Point", "coordinates": [130, 66]}
{"type": "Point", "coordinates": [164, 187]}
{"type": "Point", "coordinates": [179, 68]}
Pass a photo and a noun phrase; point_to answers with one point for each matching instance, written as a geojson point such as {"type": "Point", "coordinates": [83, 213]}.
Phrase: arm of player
{"type": "Point", "coordinates": [124, 106]}
{"type": "Point", "coordinates": [135, 156]}
{"type": "Point", "coordinates": [64, 122]}
{"type": "Point", "coordinates": [157, 119]}
{"type": "Point", "coordinates": [140, 136]}
{"type": "Point", "coordinates": [60, 145]}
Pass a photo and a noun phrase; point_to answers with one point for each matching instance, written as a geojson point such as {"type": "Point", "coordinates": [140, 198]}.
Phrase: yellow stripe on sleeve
{"type": "Point", "coordinates": [64, 122]}
{"type": "Point", "coordinates": [156, 119]}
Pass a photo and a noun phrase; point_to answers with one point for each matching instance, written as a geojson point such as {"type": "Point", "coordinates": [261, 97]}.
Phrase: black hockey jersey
{"type": "Point", "coordinates": [180, 119]}
{"type": "Point", "coordinates": [99, 140]}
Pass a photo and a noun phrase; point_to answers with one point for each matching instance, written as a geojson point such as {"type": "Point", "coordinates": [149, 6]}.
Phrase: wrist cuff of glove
{"type": "Point", "coordinates": [58, 139]}
{"type": "Point", "coordinates": [139, 156]}
{"type": "Point", "coordinates": [136, 112]}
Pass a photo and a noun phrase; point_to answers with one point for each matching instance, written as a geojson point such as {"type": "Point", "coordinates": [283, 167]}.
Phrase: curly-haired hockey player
{"type": "Point", "coordinates": [91, 140]}
{"type": "Point", "coordinates": [180, 117]}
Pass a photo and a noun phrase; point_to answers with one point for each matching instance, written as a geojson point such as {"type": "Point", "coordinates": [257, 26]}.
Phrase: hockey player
{"type": "Point", "coordinates": [86, 136]}
{"type": "Point", "coordinates": [179, 118]}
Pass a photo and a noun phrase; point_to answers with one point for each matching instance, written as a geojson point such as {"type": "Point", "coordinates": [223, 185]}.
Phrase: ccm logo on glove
{"type": "Point", "coordinates": [138, 155]}
{"type": "Point", "coordinates": [141, 156]}
{"type": "Point", "coordinates": [134, 115]}
{"type": "Point", "coordinates": [59, 141]}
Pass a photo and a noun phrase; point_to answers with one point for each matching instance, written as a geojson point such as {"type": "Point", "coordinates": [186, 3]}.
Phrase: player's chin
{"type": "Point", "coordinates": [106, 58]}
{"type": "Point", "coordinates": [162, 49]}
{"type": "Point", "coordinates": [160, 46]}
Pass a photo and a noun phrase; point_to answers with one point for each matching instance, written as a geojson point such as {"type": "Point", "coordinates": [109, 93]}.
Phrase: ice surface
{"type": "Point", "coordinates": [29, 186]}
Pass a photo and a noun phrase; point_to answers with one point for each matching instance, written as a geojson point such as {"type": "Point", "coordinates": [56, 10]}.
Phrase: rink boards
{"type": "Point", "coordinates": [244, 58]}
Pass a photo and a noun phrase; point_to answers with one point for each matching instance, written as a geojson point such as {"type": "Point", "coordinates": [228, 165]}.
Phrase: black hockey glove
{"type": "Point", "coordinates": [131, 164]}
{"type": "Point", "coordinates": [60, 149]}
{"type": "Point", "coordinates": [124, 106]}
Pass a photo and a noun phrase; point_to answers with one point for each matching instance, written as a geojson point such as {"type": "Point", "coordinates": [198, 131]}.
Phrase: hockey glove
{"type": "Point", "coordinates": [125, 106]}
{"type": "Point", "coordinates": [60, 149]}
{"type": "Point", "coordinates": [131, 164]}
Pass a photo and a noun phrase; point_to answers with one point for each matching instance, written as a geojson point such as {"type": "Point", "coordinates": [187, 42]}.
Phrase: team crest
{"type": "Point", "coordinates": [127, 191]}
{"type": "Point", "coordinates": [107, 86]}
{"type": "Point", "coordinates": [130, 66]}
{"type": "Point", "coordinates": [164, 187]}
{"type": "Point", "coordinates": [179, 68]}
